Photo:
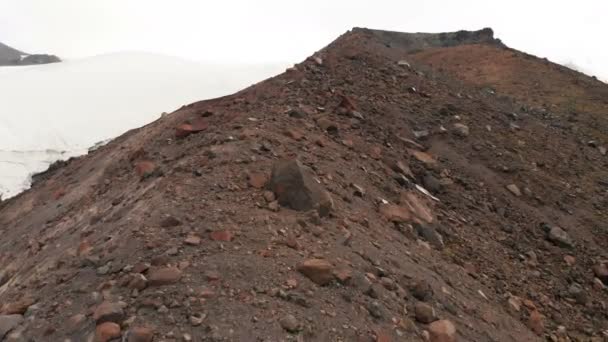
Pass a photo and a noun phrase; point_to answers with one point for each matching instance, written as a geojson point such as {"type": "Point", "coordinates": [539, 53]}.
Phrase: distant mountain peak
{"type": "Point", "coordinates": [10, 57]}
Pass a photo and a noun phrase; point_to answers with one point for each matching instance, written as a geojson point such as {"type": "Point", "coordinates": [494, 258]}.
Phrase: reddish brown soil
{"type": "Point", "coordinates": [191, 203]}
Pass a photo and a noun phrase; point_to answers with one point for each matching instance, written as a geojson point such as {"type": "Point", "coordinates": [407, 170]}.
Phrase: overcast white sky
{"type": "Point", "coordinates": [271, 31]}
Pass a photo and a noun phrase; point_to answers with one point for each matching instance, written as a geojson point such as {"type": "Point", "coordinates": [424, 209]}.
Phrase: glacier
{"type": "Point", "coordinates": [56, 111]}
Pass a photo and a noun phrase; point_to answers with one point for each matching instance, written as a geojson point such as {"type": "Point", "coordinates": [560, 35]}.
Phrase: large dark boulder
{"type": "Point", "coordinates": [296, 188]}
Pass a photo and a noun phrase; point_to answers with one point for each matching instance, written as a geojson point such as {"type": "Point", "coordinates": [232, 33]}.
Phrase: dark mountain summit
{"type": "Point", "coordinates": [13, 57]}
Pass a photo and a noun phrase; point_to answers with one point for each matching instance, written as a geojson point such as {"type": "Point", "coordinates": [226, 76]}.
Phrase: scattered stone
{"type": "Point", "coordinates": [601, 272]}
{"type": "Point", "coordinates": [221, 235]}
{"type": "Point", "coordinates": [570, 260]}
{"type": "Point", "coordinates": [358, 190]}
{"type": "Point", "coordinates": [442, 331]}
{"type": "Point", "coordinates": [290, 323]}
{"type": "Point", "coordinates": [376, 309]}
{"type": "Point", "coordinates": [320, 271]}
{"type": "Point", "coordinates": [388, 283]}
{"type": "Point", "coordinates": [514, 305]}
{"type": "Point", "coordinates": [514, 189]}
{"type": "Point", "coordinates": [603, 150]}
{"type": "Point", "coordinates": [295, 188]}
{"type": "Point", "coordinates": [420, 135]}
{"type": "Point", "coordinates": [169, 222]}
{"type": "Point", "coordinates": [193, 240]}
{"type": "Point", "coordinates": [294, 134]}
{"type": "Point", "coordinates": [107, 331]}
{"type": "Point", "coordinates": [430, 234]}
{"type": "Point", "coordinates": [108, 312]}
{"type": "Point", "coordinates": [328, 125]}
{"type": "Point", "coordinates": [431, 183]}
{"type": "Point", "coordinates": [197, 319]}
{"type": "Point", "coordinates": [535, 322]}
{"type": "Point", "coordinates": [344, 276]}
{"type": "Point", "coordinates": [258, 180]}
{"type": "Point", "coordinates": [560, 237]}
{"type": "Point", "coordinates": [8, 323]}
{"type": "Point", "coordinates": [138, 281]}
{"type": "Point", "coordinates": [145, 168]}
{"type": "Point", "coordinates": [395, 213]}
{"type": "Point", "coordinates": [461, 130]}
{"type": "Point", "coordinates": [18, 307]}
{"type": "Point", "coordinates": [164, 276]}
{"type": "Point", "coordinates": [423, 157]}
{"type": "Point", "coordinates": [422, 290]}
{"type": "Point", "coordinates": [425, 313]}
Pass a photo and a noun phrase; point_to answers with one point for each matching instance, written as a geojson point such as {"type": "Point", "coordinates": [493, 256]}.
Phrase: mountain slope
{"type": "Point", "coordinates": [68, 107]}
{"type": "Point", "coordinates": [12, 57]}
{"type": "Point", "coordinates": [448, 201]}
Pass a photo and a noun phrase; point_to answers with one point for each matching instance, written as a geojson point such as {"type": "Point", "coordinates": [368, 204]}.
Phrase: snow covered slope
{"type": "Point", "coordinates": [55, 111]}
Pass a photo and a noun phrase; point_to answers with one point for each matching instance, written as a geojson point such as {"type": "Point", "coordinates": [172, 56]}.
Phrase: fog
{"type": "Point", "coordinates": [270, 31]}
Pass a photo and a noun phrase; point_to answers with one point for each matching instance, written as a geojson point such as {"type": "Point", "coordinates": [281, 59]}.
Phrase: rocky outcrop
{"type": "Point", "coordinates": [13, 57]}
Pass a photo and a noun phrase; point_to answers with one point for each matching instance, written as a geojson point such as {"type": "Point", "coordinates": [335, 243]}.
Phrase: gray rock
{"type": "Point", "coordinates": [430, 234]}
{"type": "Point", "coordinates": [376, 309]}
{"type": "Point", "coordinates": [424, 313]}
{"type": "Point", "coordinates": [560, 237]}
{"type": "Point", "coordinates": [295, 187]}
{"type": "Point", "coordinates": [514, 189]}
{"type": "Point", "coordinates": [422, 290]}
{"type": "Point", "coordinates": [431, 183]}
{"type": "Point", "coordinates": [461, 130]}
{"type": "Point", "coordinates": [290, 323]}
{"type": "Point", "coordinates": [8, 323]}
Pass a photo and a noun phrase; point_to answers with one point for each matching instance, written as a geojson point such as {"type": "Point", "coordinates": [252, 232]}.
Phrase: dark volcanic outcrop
{"type": "Point", "coordinates": [467, 184]}
{"type": "Point", "coordinates": [13, 57]}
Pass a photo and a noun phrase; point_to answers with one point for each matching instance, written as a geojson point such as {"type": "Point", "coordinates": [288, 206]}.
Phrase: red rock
{"type": "Point", "coordinates": [164, 276]}
{"type": "Point", "coordinates": [140, 267]}
{"type": "Point", "coordinates": [294, 134]}
{"type": "Point", "coordinates": [145, 168]}
{"type": "Point", "coordinates": [383, 336]}
{"type": "Point", "coordinates": [183, 131]}
{"type": "Point", "coordinates": [75, 321]}
{"type": "Point", "coordinates": [347, 103]}
{"type": "Point", "coordinates": [140, 334]}
{"type": "Point", "coordinates": [199, 125]}
{"type": "Point", "coordinates": [107, 331]}
{"type": "Point", "coordinates": [221, 235]}
{"type": "Point", "coordinates": [317, 270]}
{"type": "Point", "coordinates": [423, 157]}
{"type": "Point", "coordinates": [258, 180]}
{"type": "Point", "coordinates": [395, 213]}
{"type": "Point", "coordinates": [18, 307]}
{"type": "Point", "coordinates": [108, 312]}
{"type": "Point", "coordinates": [343, 275]}
{"type": "Point", "coordinates": [375, 152]}
{"type": "Point", "coordinates": [535, 323]}
{"type": "Point", "coordinates": [84, 248]}
{"type": "Point", "coordinates": [138, 281]}
{"type": "Point", "coordinates": [291, 283]}
{"type": "Point", "coordinates": [57, 194]}
{"type": "Point", "coordinates": [570, 260]}
{"type": "Point", "coordinates": [442, 331]}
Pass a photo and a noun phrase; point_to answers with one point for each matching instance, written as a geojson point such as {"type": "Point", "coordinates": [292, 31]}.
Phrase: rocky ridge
{"type": "Point", "coordinates": [374, 192]}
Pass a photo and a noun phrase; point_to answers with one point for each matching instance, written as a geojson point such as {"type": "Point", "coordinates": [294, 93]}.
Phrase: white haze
{"type": "Point", "coordinates": [55, 111]}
